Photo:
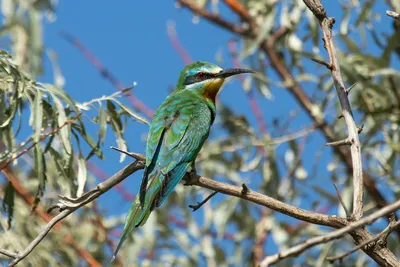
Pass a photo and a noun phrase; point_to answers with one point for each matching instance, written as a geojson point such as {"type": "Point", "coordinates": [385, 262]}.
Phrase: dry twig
{"type": "Point", "coordinates": [371, 242]}
{"type": "Point", "coordinates": [296, 250]}
{"type": "Point", "coordinates": [393, 14]}
{"type": "Point", "coordinates": [326, 24]}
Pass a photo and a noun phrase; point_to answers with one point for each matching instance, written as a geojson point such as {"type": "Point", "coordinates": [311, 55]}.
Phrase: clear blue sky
{"type": "Point", "coordinates": [131, 40]}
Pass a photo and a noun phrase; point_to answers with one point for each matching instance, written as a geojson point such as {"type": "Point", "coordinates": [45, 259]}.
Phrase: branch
{"type": "Point", "coordinates": [68, 206]}
{"type": "Point", "coordinates": [41, 138]}
{"type": "Point", "coordinates": [268, 46]}
{"type": "Point", "coordinates": [346, 210]}
{"type": "Point", "coordinates": [213, 18]}
{"type": "Point", "coordinates": [390, 228]}
{"type": "Point", "coordinates": [8, 253]}
{"type": "Point", "coordinates": [245, 193]}
{"type": "Point", "coordinates": [393, 14]}
{"type": "Point", "coordinates": [239, 9]}
{"type": "Point", "coordinates": [296, 250]}
{"type": "Point", "coordinates": [326, 25]}
{"type": "Point", "coordinates": [29, 199]}
{"type": "Point", "coordinates": [199, 204]}
{"type": "Point", "coordinates": [176, 44]}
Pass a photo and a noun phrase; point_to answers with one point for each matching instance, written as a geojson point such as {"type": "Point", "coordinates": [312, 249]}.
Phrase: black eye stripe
{"type": "Point", "coordinates": [198, 78]}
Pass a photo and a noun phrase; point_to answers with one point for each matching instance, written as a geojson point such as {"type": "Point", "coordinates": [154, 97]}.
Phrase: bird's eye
{"type": "Point", "coordinates": [200, 75]}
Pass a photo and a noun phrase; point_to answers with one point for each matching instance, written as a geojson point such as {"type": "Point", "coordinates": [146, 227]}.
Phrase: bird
{"type": "Point", "coordinates": [177, 132]}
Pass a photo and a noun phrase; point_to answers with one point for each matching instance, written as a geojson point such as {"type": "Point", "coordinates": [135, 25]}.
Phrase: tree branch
{"type": "Point", "coordinates": [346, 210]}
{"type": "Point", "coordinates": [382, 255]}
{"type": "Point", "coordinates": [393, 14]}
{"type": "Point", "coordinates": [355, 149]}
{"type": "Point", "coordinates": [199, 204]}
{"type": "Point", "coordinates": [70, 206]}
{"type": "Point", "coordinates": [390, 228]}
{"type": "Point", "coordinates": [268, 46]}
{"type": "Point", "coordinates": [269, 202]}
{"type": "Point", "coordinates": [296, 250]}
{"type": "Point", "coordinates": [213, 18]}
{"type": "Point", "coordinates": [8, 253]}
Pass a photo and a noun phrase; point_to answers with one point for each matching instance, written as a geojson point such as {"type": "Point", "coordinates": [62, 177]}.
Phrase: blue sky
{"type": "Point", "coordinates": [131, 40]}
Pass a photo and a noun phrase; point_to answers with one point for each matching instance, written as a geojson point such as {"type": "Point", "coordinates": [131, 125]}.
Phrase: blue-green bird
{"type": "Point", "coordinates": [177, 133]}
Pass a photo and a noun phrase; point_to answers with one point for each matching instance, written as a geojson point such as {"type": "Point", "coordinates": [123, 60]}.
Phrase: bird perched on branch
{"type": "Point", "coordinates": [177, 133]}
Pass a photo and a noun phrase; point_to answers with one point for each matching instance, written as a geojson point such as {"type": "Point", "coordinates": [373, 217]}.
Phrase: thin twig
{"type": "Point", "coordinates": [239, 9]}
{"type": "Point", "coordinates": [8, 253]}
{"type": "Point", "coordinates": [176, 44]}
{"type": "Point", "coordinates": [343, 142]}
{"type": "Point", "coordinates": [41, 138]}
{"type": "Point", "coordinates": [348, 214]}
{"type": "Point", "coordinates": [322, 62]}
{"type": "Point", "coordinates": [130, 154]}
{"type": "Point", "coordinates": [390, 228]}
{"type": "Point", "coordinates": [212, 17]}
{"type": "Point", "coordinates": [296, 250]}
{"type": "Point", "coordinates": [326, 24]}
{"type": "Point", "coordinates": [106, 74]}
{"type": "Point", "coordinates": [393, 14]}
{"type": "Point", "coordinates": [199, 204]}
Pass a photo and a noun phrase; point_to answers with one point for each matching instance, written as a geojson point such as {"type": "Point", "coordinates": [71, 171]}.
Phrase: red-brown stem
{"type": "Point", "coordinates": [106, 74]}
{"type": "Point", "coordinates": [29, 199]}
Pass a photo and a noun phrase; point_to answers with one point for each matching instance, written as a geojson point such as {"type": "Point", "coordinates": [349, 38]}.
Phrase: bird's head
{"type": "Point", "coordinates": [205, 78]}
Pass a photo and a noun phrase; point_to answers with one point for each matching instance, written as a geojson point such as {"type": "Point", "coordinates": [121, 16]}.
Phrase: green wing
{"type": "Point", "coordinates": [177, 133]}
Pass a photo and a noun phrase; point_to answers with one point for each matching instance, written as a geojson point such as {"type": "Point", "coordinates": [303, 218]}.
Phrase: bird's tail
{"type": "Point", "coordinates": [139, 212]}
{"type": "Point", "coordinates": [159, 186]}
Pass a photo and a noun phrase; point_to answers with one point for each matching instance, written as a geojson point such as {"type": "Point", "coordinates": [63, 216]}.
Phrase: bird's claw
{"type": "Point", "coordinates": [191, 177]}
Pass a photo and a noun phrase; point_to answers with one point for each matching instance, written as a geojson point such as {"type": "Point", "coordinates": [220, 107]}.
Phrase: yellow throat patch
{"type": "Point", "coordinates": [212, 88]}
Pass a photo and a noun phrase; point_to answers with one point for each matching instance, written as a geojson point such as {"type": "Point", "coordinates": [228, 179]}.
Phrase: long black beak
{"type": "Point", "coordinates": [230, 72]}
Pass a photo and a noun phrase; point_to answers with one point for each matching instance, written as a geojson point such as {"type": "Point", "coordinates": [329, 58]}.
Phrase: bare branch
{"type": "Point", "coordinates": [199, 204]}
{"type": "Point", "coordinates": [296, 250]}
{"type": "Point", "coordinates": [8, 253]}
{"type": "Point", "coordinates": [176, 44]}
{"type": "Point", "coordinates": [214, 18]}
{"type": "Point", "coordinates": [381, 256]}
{"type": "Point", "coordinates": [322, 62]}
{"type": "Point", "coordinates": [348, 214]}
{"type": "Point", "coordinates": [130, 154]}
{"type": "Point", "coordinates": [269, 202]}
{"type": "Point", "coordinates": [326, 25]}
{"type": "Point", "coordinates": [269, 47]}
{"type": "Point", "coordinates": [393, 14]}
{"type": "Point", "coordinates": [343, 142]}
{"type": "Point", "coordinates": [370, 243]}
{"type": "Point", "coordinates": [350, 88]}
{"type": "Point", "coordinates": [87, 198]}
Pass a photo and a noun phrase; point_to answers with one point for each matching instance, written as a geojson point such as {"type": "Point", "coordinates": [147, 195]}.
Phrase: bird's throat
{"type": "Point", "coordinates": [212, 88]}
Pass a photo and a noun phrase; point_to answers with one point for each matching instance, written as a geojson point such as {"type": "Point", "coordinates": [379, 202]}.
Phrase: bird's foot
{"type": "Point", "coordinates": [191, 177]}
{"type": "Point", "coordinates": [68, 203]}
